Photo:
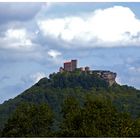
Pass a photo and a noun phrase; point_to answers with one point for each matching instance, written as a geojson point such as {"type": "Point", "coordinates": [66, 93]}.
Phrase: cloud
{"type": "Point", "coordinates": [118, 80]}
{"type": "Point", "coordinates": [54, 53]}
{"type": "Point", "coordinates": [55, 57]}
{"type": "Point", "coordinates": [16, 39]}
{"type": "Point", "coordinates": [108, 27]}
{"type": "Point", "coordinates": [37, 76]}
{"type": "Point", "coordinates": [18, 11]}
{"type": "Point", "coordinates": [20, 44]}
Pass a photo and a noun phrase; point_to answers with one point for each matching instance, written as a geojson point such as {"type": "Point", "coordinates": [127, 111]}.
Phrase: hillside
{"type": "Point", "coordinates": [55, 89]}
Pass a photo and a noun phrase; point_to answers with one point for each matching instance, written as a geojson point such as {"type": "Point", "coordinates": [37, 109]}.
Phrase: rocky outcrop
{"type": "Point", "coordinates": [107, 75]}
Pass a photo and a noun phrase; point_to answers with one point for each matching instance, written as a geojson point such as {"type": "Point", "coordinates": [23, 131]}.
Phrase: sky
{"type": "Point", "coordinates": [36, 38]}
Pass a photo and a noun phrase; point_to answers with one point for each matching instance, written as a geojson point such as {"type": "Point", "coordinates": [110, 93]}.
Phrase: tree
{"type": "Point", "coordinates": [29, 121]}
{"type": "Point", "coordinates": [125, 125]}
{"type": "Point", "coordinates": [97, 118]}
{"type": "Point", "coordinates": [71, 118]}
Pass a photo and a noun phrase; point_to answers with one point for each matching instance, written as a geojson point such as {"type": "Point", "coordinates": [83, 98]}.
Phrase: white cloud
{"type": "Point", "coordinates": [37, 76]}
{"type": "Point", "coordinates": [16, 34]}
{"type": "Point", "coordinates": [113, 26]}
{"type": "Point", "coordinates": [54, 53]}
{"type": "Point", "coordinates": [18, 39]}
{"type": "Point", "coordinates": [55, 57]}
{"type": "Point", "coordinates": [118, 80]}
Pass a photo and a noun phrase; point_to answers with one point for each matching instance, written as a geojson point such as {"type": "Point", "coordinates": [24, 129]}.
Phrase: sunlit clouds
{"type": "Point", "coordinates": [109, 27]}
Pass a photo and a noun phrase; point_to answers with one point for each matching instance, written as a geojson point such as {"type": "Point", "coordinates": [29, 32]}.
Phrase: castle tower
{"type": "Point", "coordinates": [70, 66]}
{"type": "Point", "coordinates": [73, 64]}
{"type": "Point", "coordinates": [67, 66]}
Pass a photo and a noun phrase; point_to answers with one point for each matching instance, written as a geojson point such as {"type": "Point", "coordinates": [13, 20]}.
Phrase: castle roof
{"type": "Point", "coordinates": [67, 62]}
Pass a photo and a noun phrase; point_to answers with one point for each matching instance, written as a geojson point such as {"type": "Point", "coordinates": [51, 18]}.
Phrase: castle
{"type": "Point", "coordinates": [106, 75]}
{"type": "Point", "coordinates": [71, 66]}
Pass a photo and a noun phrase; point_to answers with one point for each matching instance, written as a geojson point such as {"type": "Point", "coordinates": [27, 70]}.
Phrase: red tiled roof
{"type": "Point", "coordinates": [66, 62]}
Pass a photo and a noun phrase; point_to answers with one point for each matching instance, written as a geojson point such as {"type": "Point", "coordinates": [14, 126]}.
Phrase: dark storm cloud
{"type": "Point", "coordinates": [18, 11]}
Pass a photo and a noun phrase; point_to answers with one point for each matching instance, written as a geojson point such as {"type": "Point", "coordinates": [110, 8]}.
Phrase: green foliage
{"type": "Point", "coordinates": [72, 80]}
{"type": "Point", "coordinates": [29, 121]}
{"type": "Point", "coordinates": [72, 118]}
{"type": "Point", "coordinates": [125, 125]}
{"type": "Point", "coordinates": [97, 118]}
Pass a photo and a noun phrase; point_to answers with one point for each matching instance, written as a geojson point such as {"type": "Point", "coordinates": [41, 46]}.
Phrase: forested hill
{"type": "Point", "coordinates": [79, 85]}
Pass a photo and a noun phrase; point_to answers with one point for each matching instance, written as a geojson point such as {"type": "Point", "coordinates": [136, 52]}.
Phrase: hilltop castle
{"type": "Point", "coordinates": [106, 75]}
